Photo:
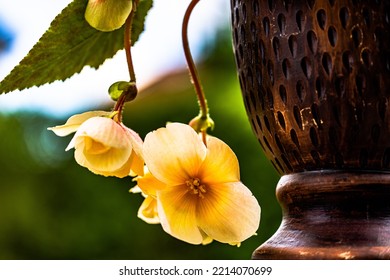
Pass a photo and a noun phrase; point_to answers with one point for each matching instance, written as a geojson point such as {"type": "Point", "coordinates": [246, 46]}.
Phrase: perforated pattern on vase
{"type": "Point", "coordinates": [315, 78]}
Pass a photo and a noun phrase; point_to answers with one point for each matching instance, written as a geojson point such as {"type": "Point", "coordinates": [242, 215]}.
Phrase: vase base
{"type": "Point", "coordinates": [332, 215]}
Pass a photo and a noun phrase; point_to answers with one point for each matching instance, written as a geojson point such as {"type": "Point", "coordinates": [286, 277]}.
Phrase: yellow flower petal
{"type": "Point", "coordinates": [174, 154]}
{"type": "Point", "coordinates": [229, 213]}
{"type": "Point", "coordinates": [105, 147]}
{"type": "Point", "coordinates": [135, 189]}
{"type": "Point", "coordinates": [74, 122]}
{"type": "Point", "coordinates": [149, 184]}
{"type": "Point", "coordinates": [221, 164]}
{"type": "Point", "coordinates": [177, 212]}
{"type": "Point", "coordinates": [148, 211]}
{"type": "Point", "coordinates": [137, 167]}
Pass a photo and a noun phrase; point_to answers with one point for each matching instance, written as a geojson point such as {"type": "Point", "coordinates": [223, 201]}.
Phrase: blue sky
{"type": "Point", "coordinates": [158, 51]}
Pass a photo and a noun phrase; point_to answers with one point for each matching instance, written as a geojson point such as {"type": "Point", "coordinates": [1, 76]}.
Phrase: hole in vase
{"type": "Point", "coordinates": [297, 116]}
{"type": "Point", "coordinates": [256, 8]}
{"type": "Point", "coordinates": [266, 26]}
{"type": "Point", "coordinates": [332, 36]}
{"type": "Point", "coordinates": [270, 68]}
{"type": "Point", "coordinates": [278, 143]}
{"type": "Point", "coordinates": [281, 120]}
{"type": "Point", "coordinates": [300, 19]}
{"type": "Point", "coordinates": [321, 18]}
{"type": "Point", "coordinates": [340, 86]}
{"type": "Point", "coordinates": [271, 5]}
{"type": "Point", "coordinates": [314, 137]}
{"type": "Point", "coordinates": [361, 84]}
{"type": "Point", "coordinates": [266, 122]}
{"type": "Point", "coordinates": [316, 115]}
{"type": "Point", "coordinates": [300, 89]}
{"type": "Point", "coordinates": [287, 4]}
{"type": "Point", "coordinates": [285, 67]}
{"type": "Point", "coordinates": [278, 166]}
{"type": "Point", "coordinates": [348, 61]}
{"type": "Point", "coordinates": [267, 144]}
{"type": "Point", "coordinates": [312, 41]}
{"type": "Point", "coordinates": [286, 162]}
{"type": "Point", "coordinates": [366, 57]}
{"type": "Point", "coordinates": [276, 47]}
{"type": "Point", "coordinates": [344, 17]}
{"type": "Point", "coordinates": [356, 36]}
{"type": "Point", "coordinates": [259, 123]}
{"type": "Point", "coordinates": [293, 45]}
{"type": "Point", "coordinates": [316, 157]}
{"type": "Point", "coordinates": [320, 89]}
{"type": "Point", "coordinates": [294, 137]}
{"type": "Point", "coordinates": [283, 93]}
{"type": "Point", "coordinates": [366, 16]}
{"type": "Point", "coordinates": [327, 62]}
{"type": "Point", "coordinates": [262, 52]}
{"type": "Point", "coordinates": [306, 67]}
{"type": "Point", "coordinates": [311, 3]}
{"type": "Point", "coordinates": [270, 98]}
{"type": "Point", "coordinates": [282, 23]}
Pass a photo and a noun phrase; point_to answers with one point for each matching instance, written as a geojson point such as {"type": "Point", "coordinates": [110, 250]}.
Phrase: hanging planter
{"type": "Point", "coordinates": [315, 79]}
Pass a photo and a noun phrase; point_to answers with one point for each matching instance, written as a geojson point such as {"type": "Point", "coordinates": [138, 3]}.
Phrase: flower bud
{"type": "Point", "coordinates": [108, 15]}
{"type": "Point", "coordinates": [129, 89]}
{"type": "Point", "coordinates": [202, 123]}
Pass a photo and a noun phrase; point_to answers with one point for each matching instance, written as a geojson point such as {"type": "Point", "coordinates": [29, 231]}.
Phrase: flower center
{"type": "Point", "coordinates": [95, 148]}
{"type": "Point", "coordinates": [196, 187]}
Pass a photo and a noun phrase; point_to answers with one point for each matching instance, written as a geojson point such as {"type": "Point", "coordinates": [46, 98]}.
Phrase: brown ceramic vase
{"type": "Point", "coordinates": [315, 79]}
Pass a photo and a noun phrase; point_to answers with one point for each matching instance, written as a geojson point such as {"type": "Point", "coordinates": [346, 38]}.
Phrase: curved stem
{"type": "Point", "coordinates": [127, 43]}
{"type": "Point", "coordinates": [119, 107]}
{"type": "Point", "coordinates": [190, 62]}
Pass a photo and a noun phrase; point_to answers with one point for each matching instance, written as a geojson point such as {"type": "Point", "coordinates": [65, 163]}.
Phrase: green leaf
{"type": "Point", "coordinates": [68, 45]}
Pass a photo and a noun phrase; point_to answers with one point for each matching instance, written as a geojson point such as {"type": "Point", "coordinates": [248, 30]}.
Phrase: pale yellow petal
{"type": "Point", "coordinates": [229, 213]}
{"type": "Point", "coordinates": [135, 189]}
{"type": "Point", "coordinates": [136, 142]}
{"type": "Point", "coordinates": [120, 172]}
{"type": "Point", "coordinates": [206, 239]}
{"type": "Point", "coordinates": [74, 122]}
{"type": "Point", "coordinates": [137, 165]}
{"type": "Point", "coordinates": [177, 212]}
{"type": "Point", "coordinates": [105, 131]}
{"type": "Point", "coordinates": [148, 211]}
{"type": "Point", "coordinates": [112, 160]}
{"type": "Point", "coordinates": [103, 146]}
{"type": "Point", "coordinates": [174, 154]}
{"type": "Point", "coordinates": [221, 164]}
{"type": "Point", "coordinates": [149, 184]}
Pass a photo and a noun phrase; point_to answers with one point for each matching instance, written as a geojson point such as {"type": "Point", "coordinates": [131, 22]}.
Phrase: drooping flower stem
{"type": "Point", "coordinates": [204, 110]}
{"type": "Point", "coordinates": [127, 41]}
{"type": "Point", "coordinates": [127, 45]}
{"type": "Point", "coordinates": [119, 108]}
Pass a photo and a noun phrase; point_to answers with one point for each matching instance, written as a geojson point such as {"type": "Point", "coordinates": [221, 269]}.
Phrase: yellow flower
{"type": "Point", "coordinates": [107, 15]}
{"type": "Point", "coordinates": [102, 145]}
{"type": "Point", "coordinates": [200, 196]}
{"type": "Point", "coordinates": [147, 185]}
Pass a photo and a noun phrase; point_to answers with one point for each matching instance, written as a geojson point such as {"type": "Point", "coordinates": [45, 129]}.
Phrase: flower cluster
{"type": "Point", "coordinates": [192, 189]}
{"type": "Point", "coordinates": [190, 179]}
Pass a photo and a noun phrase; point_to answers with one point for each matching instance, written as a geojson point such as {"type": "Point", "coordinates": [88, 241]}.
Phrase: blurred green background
{"type": "Point", "coordinates": [51, 208]}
